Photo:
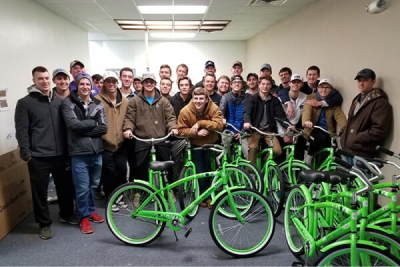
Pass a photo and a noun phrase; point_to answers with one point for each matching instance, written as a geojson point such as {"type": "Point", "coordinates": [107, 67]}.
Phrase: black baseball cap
{"type": "Point", "coordinates": [209, 63]}
{"type": "Point", "coordinates": [252, 74]}
{"type": "Point", "coordinates": [237, 78]}
{"type": "Point", "coordinates": [366, 73]}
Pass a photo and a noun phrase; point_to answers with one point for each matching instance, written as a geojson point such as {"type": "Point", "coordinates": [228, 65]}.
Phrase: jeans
{"type": "Point", "coordinates": [113, 170]}
{"type": "Point", "coordinates": [201, 159]}
{"type": "Point", "coordinates": [86, 172]}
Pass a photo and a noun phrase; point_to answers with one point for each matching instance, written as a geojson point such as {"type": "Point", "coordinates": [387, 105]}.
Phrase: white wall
{"type": "Point", "coordinates": [118, 54]}
{"type": "Point", "coordinates": [31, 36]}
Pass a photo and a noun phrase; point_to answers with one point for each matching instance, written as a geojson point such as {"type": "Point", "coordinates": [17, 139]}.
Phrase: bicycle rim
{"type": "Point", "coordinates": [188, 191]}
{"type": "Point", "coordinates": [246, 238]}
{"type": "Point", "coordinates": [275, 189]}
{"type": "Point", "coordinates": [127, 228]}
{"type": "Point", "coordinates": [254, 173]}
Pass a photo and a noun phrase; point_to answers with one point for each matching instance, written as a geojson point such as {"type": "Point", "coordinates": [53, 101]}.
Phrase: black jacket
{"type": "Point", "coordinates": [178, 103]}
{"type": "Point", "coordinates": [253, 111]}
{"type": "Point", "coordinates": [84, 131]}
{"type": "Point", "coordinates": [39, 127]}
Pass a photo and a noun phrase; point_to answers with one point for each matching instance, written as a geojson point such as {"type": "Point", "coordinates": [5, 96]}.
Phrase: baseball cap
{"type": "Point", "coordinates": [135, 78]}
{"type": "Point", "coordinates": [266, 66]}
{"type": "Point", "coordinates": [237, 63]}
{"type": "Point", "coordinates": [252, 74]}
{"type": "Point", "coordinates": [325, 80]}
{"type": "Point", "coordinates": [366, 73]}
{"type": "Point", "coordinates": [296, 77]}
{"type": "Point", "coordinates": [73, 63]}
{"type": "Point", "coordinates": [237, 78]}
{"type": "Point", "coordinates": [110, 74]}
{"type": "Point", "coordinates": [209, 63]}
{"type": "Point", "coordinates": [59, 71]}
{"type": "Point", "coordinates": [148, 75]}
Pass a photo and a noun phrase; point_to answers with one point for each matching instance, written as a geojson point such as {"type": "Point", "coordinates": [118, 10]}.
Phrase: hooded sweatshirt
{"type": "Point", "coordinates": [39, 126]}
{"type": "Point", "coordinates": [178, 103]}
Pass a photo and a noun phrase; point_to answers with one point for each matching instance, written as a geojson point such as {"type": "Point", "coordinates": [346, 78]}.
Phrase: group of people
{"type": "Point", "coordinates": [81, 131]}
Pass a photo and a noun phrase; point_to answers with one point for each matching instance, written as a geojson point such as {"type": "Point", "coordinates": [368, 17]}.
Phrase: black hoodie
{"type": "Point", "coordinates": [178, 103]}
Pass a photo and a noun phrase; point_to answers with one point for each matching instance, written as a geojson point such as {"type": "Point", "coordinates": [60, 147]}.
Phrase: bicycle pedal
{"type": "Point", "coordinates": [188, 232]}
{"type": "Point", "coordinates": [297, 263]}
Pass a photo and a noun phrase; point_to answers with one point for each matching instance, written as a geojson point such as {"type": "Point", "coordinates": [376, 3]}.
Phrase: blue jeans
{"type": "Point", "coordinates": [201, 159]}
{"type": "Point", "coordinates": [86, 172]}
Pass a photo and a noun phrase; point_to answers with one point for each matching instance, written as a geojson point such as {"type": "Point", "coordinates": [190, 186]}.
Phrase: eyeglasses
{"type": "Point", "coordinates": [325, 87]}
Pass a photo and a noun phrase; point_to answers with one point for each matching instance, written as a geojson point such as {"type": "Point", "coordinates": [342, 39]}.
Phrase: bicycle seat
{"type": "Point", "coordinates": [337, 178]}
{"type": "Point", "coordinates": [313, 176]}
{"type": "Point", "coordinates": [161, 165]}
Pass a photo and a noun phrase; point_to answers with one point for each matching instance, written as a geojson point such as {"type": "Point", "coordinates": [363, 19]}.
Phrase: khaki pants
{"type": "Point", "coordinates": [254, 140]}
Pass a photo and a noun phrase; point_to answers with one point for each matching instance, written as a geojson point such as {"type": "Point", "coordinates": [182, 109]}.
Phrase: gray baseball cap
{"type": "Point", "coordinates": [59, 71]}
{"type": "Point", "coordinates": [148, 75]}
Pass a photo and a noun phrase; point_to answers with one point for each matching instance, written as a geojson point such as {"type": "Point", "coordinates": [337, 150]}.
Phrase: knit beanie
{"type": "Point", "coordinates": [82, 75]}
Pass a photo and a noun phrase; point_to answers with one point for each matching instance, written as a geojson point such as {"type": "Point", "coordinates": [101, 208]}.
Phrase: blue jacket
{"type": "Point", "coordinates": [232, 107]}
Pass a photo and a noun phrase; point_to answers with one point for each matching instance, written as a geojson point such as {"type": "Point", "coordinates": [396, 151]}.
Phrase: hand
{"type": "Point", "coordinates": [128, 134]}
{"type": "Point", "coordinates": [314, 103]}
{"type": "Point", "coordinates": [194, 129]}
{"type": "Point", "coordinates": [291, 128]}
{"type": "Point", "coordinates": [203, 132]}
{"type": "Point", "coordinates": [287, 139]}
{"type": "Point", "coordinates": [247, 125]}
{"type": "Point", "coordinates": [174, 132]}
{"type": "Point", "coordinates": [290, 110]}
{"type": "Point", "coordinates": [308, 124]}
{"type": "Point", "coordinates": [224, 121]}
{"type": "Point", "coordinates": [236, 136]}
{"type": "Point", "coordinates": [275, 94]}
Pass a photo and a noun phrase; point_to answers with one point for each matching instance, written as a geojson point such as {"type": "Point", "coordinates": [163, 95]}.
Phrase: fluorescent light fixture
{"type": "Point", "coordinates": [133, 22]}
{"type": "Point", "coordinates": [187, 22]}
{"type": "Point", "coordinates": [212, 27]}
{"type": "Point", "coordinates": [158, 22]}
{"type": "Point", "coordinates": [155, 27]}
{"type": "Point", "coordinates": [133, 27]}
{"type": "Point", "coordinates": [178, 27]}
{"type": "Point", "coordinates": [215, 22]}
{"type": "Point", "coordinates": [172, 35]}
{"type": "Point", "coordinates": [172, 9]}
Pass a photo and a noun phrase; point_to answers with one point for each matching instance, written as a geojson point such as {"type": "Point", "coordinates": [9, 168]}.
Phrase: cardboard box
{"type": "Point", "coordinates": [15, 191]}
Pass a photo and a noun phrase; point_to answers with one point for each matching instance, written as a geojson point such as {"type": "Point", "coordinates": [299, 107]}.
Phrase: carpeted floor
{"type": "Point", "coordinates": [69, 247]}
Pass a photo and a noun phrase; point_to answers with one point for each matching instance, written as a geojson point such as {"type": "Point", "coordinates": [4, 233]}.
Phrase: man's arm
{"type": "Point", "coordinates": [335, 98]}
{"type": "Point", "coordinates": [280, 113]}
{"type": "Point", "coordinates": [223, 106]}
{"type": "Point", "coordinates": [101, 127]}
{"type": "Point", "coordinates": [215, 123]}
{"type": "Point", "coordinates": [184, 125]}
{"type": "Point", "coordinates": [248, 109]}
{"type": "Point", "coordinates": [170, 116]}
{"type": "Point", "coordinates": [73, 123]}
{"type": "Point", "coordinates": [283, 95]}
{"type": "Point", "coordinates": [21, 119]}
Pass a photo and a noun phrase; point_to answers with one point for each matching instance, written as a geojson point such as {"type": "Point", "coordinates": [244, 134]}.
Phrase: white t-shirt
{"type": "Point", "coordinates": [298, 106]}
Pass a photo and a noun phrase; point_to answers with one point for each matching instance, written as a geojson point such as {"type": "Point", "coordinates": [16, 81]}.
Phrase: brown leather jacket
{"type": "Point", "coordinates": [211, 119]}
{"type": "Point", "coordinates": [369, 126]}
{"type": "Point", "coordinates": [333, 115]}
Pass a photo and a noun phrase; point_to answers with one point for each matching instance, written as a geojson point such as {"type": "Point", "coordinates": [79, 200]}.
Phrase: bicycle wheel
{"type": "Point", "coordinates": [245, 238]}
{"type": "Point", "coordinates": [294, 240]}
{"type": "Point", "coordinates": [368, 256]}
{"type": "Point", "coordinates": [254, 172]}
{"type": "Point", "coordinates": [290, 175]}
{"type": "Point", "coordinates": [275, 189]}
{"type": "Point", "coordinates": [387, 225]}
{"type": "Point", "coordinates": [188, 191]}
{"type": "Point", "coordinates": [128, 228]}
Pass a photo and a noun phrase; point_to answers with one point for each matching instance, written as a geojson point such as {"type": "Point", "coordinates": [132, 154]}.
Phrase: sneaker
{"type": "Point", "coordinates": [96, 218]}
{"type": "Point", "coordinates": [70, 220]}
{"type": "Point", "coordinates": [99, 195]}
{"type": "Point", "coordinates": [86, 228]}
{"type": "Point", "coordinates": [136, 200]}
{"type": "Point", "coordinates": [45, 233]}
{"type": "Point", "coordinates": [114, 208]}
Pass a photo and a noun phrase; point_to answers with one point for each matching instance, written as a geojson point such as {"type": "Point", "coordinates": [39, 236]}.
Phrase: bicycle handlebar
{"type": "Point", "coordinates": [268, 134]}
{"type": "Point", "coordinates": [234, 128]}
{"type": "Point", "coordinates": [326, 131]}
{"type": "Point", "coordinates": [152, 140]}
{"type": "Point", "coordinates": [385, 150]}
{"type": "Point", "coordinates": [344, 153]}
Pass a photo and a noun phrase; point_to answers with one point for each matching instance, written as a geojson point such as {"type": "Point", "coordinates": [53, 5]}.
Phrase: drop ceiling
{"type": "Point", "coordinates": [247, 17]}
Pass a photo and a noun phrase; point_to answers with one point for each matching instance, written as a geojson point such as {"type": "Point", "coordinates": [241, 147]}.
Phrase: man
{"type": "Point", "coordinates": [114, 155]}
{"type": "Point", "coordinates": [137, 85]}
{"type": "Point", "coordinates": [76, 67]}
{"type": "Point", "coordinates": [149, 116]}
{"type": "Point", "coordinates": [313, 74]}
{"type": "Point", "coordinates": [98, 80]}
{"type": "Point", "coordinates": [237, 69]}
{"type": "Point", "coordinates": [369, 119]}
{"type": "Point", "coordinates": [183, 97]}
{"type": "Point", "coordinates": [223, 85]}
{"type": "Point", "coordinates": [126, 77]}
{"type": "Point", "coordinates": [197, 120]}
{"type": "Point", "coordinates": [182, 70]}
{"type": "Point", "coordinates": [41, 138]}
{"type": "Point", "coordinates": [266, 71]}
{"type": "Point", "coordinates": [165, 71]}
{"type": "Point", "coordinates": [260, 111]}
{"type": "Point", "coordinates": [165, 87]}
{"type": "Point", "coordinates": [209, 82]}
{"type": "Point", "coordinates": [61, 80]}
{"type": "Point", "coordinates": [285, 74]}
{"type": "Point", "coordinates": [86, 122]}
{"type": "Point", "coordinates": [252, 83]}
{"type": "Point", "coordinates": [209, 69]}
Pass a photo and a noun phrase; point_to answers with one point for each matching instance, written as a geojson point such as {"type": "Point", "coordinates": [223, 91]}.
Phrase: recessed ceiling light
{"type": "Point", "coordinates": [172, 9]}
{"type": "Point", "coordinates": [172, 35]}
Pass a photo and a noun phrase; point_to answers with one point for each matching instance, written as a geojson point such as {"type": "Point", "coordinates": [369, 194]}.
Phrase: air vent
{"type": "Point", "coordinates": [259, 3]}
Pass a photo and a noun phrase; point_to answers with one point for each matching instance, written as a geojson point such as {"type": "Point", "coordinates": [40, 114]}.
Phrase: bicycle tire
{"type": "Point", "coordinates": [188, 191]}
{"type": "Point", "coordinates": [127, 228]}
{"type": "Point", "coordinates": [387, 225]}
{"type": "Point", "coordinates": [254, 172]}
{"type": "Point", "coordinates": [294, 201]}
{"type": "Point", "coordinates": [274, 189]}
{"type": "Point", "coordinates": [242, 239]}
{"type": "Point", "coordinates": [340, 256]}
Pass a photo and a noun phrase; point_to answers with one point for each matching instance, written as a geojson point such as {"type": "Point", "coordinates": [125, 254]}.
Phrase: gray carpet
{"type": "Point", "coordinates": [69, 247]}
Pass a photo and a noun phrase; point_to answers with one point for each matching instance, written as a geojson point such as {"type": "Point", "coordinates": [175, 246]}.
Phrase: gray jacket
{"type": "Point", "coordinates": [84, 129]}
